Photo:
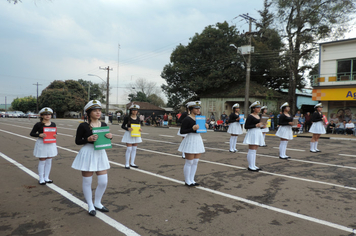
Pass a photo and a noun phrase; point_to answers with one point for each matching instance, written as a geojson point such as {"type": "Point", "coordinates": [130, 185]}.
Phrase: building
{"type": "Point", "coordinates": [147, 109]}
{"type": "Point", "coordinates": [335, 85]}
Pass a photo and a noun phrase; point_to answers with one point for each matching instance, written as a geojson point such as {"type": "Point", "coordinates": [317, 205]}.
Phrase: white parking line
{"type": "Point", "coordinates": [286, 212]}
{"type": "Point", "coordinates": [108, 220]}
{"type": "Point", "coordinates": [291, 149]}
{"type": "Point", "coordinates": [169, 136]}
{"type": "Point", "coordinates": [347, 155]}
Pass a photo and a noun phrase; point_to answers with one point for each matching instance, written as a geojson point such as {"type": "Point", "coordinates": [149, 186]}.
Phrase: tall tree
{"type": "Point", "coordinates": [305, 23]}
{"type": "Point", "coordinates": [96, 90]}
{"type": "Point", "coordinates": [24, 104]}
{"type": "Point", "coordinates": [64, 96]}
{"type": "Point", "coordinates": [207, 63]}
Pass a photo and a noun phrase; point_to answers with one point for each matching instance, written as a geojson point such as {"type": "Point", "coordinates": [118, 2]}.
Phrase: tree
{"type": "Point", "coordinates": [156, 100]}
{"type": "Point", "coordinates": [144, 86]}
{"type": "Point", "coordinates": [96, 90]}
{"type": "Point", "coordinates": [63, 96]}
{"type": "Point", "coordinates": [24, 104]}
{"type": "Point", "coordinates": [305, 23]}
{"type": "Point", "coordinates": [138, 97]}
{"type": "Point", "coordinates": [207, 63]}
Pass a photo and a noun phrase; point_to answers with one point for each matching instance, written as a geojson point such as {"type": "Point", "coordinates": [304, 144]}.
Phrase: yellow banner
{"type": "Point", "coordinates": [334, 94]}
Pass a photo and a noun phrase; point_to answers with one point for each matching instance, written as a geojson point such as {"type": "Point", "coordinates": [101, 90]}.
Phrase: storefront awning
{"type": "Point", "coordinates": [334, 94]}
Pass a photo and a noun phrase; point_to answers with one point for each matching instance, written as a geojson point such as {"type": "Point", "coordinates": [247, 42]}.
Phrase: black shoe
{"type": "Point", "coordinates": [103, 209]}
{"type": "Point", "coordinates": [92, 212]}
{"type": "Point", "coordinates": [313, 151]}
{"type": "Point", "coordinates": [288, 157]}
{"type": "Point", "coordinates": [127, 167]}
{"type": "Point", "coordinates": [317, 150]}
{"type": "Point", "coordinates": [259, 169]}
{"type": "Point", "coordinates": [42, 183]}
{"type": "Point", "coordinates": [49, 181]}
{"type": "Point", "coordinates": [189, 185]}
{"type": "Point", "coordinates": [232, 151]}
{"type": "Point", "coordinates": [285, 158]}
{"type": "Point", "coordinates": [134, 166]}
{"type": "Point", "coordinates": [252, 169]}
{"type": "Point", "coordinates": [196, 184]}
{"type": "Point", "coordinates": [183, 157]}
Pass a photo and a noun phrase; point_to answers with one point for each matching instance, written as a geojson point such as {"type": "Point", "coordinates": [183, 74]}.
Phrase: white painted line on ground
{"type": "Point", "coordinates": [205, 140]}
{"type": "Point", "coordinates": [169, 136]}
{"type": "Point", "coordinates": [346, 139]}
{"type": "Point", "coordinates": [347, 155]}
{"type": "Point", "coordinates": [240, 199]}
{"type": "Point", "coordinates": [304, 217]}
{"type": "Point", "coordinates": [144, 133]}
{"type": "Point", "coordinates": [291, 149]}
{"type": "Point", "coordinates": [69, 125]}
{"type": "Point", "coordinates": [108, 220]}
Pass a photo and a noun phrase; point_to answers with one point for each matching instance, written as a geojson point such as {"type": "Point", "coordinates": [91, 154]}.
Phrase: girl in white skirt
{"type": "Point", "coordinates": [131, 142]}
{"type": "Point", "coordinates": [254, 136]}
{"type": "Point", "coordinates": [265, 129]}
{"type": "Point", "coordinates": [44, 151]}
{"type": "Point", "coordinates": [234, 126]}
{"type": "Point", "coordinates": [284, 130]}
{"type": "Point", "coordinates": [180, 120]}
{"type": "Point", "coordinates": [89, 160]}
{"type": "Point", "coordinates": [192, 145]}
{"type": "Point", "coordinates": [317, 128]}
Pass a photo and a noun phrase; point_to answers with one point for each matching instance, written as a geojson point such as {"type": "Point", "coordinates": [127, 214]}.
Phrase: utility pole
{"type": "Point", "coordinates": [117, 74]}
{"type": "Point", "coordinates": [37, 97]}
{"type": "Point", "coordinates": [107, 93]}
{"type": "Point", "coordinates": [248, 69]}
{"type": "Point", "coordinates": [5, 105]}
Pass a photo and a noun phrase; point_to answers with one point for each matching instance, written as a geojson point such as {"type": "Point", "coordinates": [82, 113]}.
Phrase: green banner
{"type": "Point", "coordinates": [102, 142]}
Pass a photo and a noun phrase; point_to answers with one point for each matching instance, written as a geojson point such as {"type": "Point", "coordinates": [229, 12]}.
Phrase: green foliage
{"type": "Point", "coordinates": [24, 104]}
{"type": "Point", "coordinates": [63, 96]}
{"type": "Point", "coordinates": [156, 100]}
{"type": "Point", "coordinates": [96, 91]}
{"type": "Point", "coordinates": [138, 97]}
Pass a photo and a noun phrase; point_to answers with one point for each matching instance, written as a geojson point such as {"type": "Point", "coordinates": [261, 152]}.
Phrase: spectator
{"type": "Point", "coordinates": [212, 116]}
{"type": "Point", "coordinates": [307, 122]}
{"type": "Point", "coordinates": [165, 117]}
{"type": "Point", "coordinates": [212, 124]}
{"type": "Point", "coordinates": [170, 119]}
{"type": "Point", "coordinates": [142, 118]}
{"type": "Point", "coordinates": [280, 113]}
{"type": "Point", "coordinates": [349, 127]}
{"type": "Point", "coordinates": [330, 128]}
{"type": "Point", "coordinates": [148, 122]}
{"type": "Point", "coordinates": [110, 117]}
{"type": "Point", "coordinates": [118, 115]}
{"type": "Point", "coordinates": [218, 124]}
{"type": "Point", "coordinates": [154, 122]}
{"type": "Point", "coordinates": [223, 117]}
{"type": "Point", "coordinates": [301, 121]}
{"type": "Point", "coordinates": [348, 115]}
{"type": "Point", "coordinates": [341, 128]}
{"type": "Point", "coordinates": [298, 114]}
{"type": "Point", "coordinates": [178, 116]}
{"type": "Point", "coordinates": [271, 116]}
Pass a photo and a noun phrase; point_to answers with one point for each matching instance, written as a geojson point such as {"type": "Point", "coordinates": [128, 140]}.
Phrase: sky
{"type": "Point", "coordinates": [46, 40]}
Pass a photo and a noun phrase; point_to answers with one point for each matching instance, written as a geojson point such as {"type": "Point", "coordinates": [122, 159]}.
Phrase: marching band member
{"type": "Point", "coordinates": [192, 145]}
{"type": "Point", "coordinates": [89, 160]}
{"type": "Point", "coordinates": [265, 129]}
{"type": "Point", "coordinates": [180, 120]}
{"type": "Point", "coordinates": [131, 142]}
{"type": "Point", "coordinates": [254, 136]}
{"type": "Point", "coordinates": [44, 151]}
{"type": "Point", "coordinates": [317, 127]}
{"type": "Point", "coordinates": [284, 130]}
{"type": "Point", "coordinates": [234, 126]}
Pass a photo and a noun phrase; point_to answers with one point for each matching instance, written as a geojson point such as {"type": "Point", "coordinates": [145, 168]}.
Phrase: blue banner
{"type": "Point", "coordinates": [201, 121]}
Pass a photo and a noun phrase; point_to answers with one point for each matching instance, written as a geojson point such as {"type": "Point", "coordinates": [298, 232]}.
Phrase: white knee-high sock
{"type": "Point", "coordinates": [100, 189]}
{"type": "Point", "coordinates": [231, 143]}
{"type": "Point", "coordinates": [250, 159]}
{"type": "Point", "coordinates": [285, 148]}
{"type": "Point", "coordinates": [253, 154]}
{"type": "Point", "coordinates": [235, 141]}
{"type": "Point", "coordinates": [186, 170]}
{"type": "Point", "coordinates": [127, 156]}
{"type": "Point", "coordinates": [47, 169]}
{"type": "Point", "coordinates": [87, 192]}
{"type": "Point", "coordinates": [312, 146]}
{"type": "Point", "coordinates": [193, 169]}
{"type": "Point", "coordinates": [281, 144]}
{"type": "Point", "coordinates": [133, 155]}
{"type": "Point", "coordinates": [316, 145]}
{"type": "Point", "coordinates": [41, 170]}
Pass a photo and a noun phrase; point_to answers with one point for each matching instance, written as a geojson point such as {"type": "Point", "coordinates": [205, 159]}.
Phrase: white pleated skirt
{"type": "Point", "coordinates": [265, 130]}
{"type": "Point", "coordinates": [235, 128]}
{"type": "Point", "coordinates": [89, 159]}
{"type": "Point", "coordinates": [43, 150]}
{"type": "Point", "coordinates": [192, 144]}
{"type": "Point", "coordinates": [183, 135]}
{"type": "Point", "coordinates": [317, 128]}
{"type": "Point", "coordinates": [128, 139]}
{"type": "Point", "coordinates": [285, 132]}
{"type": "Point", "coordinates": [254, 137]}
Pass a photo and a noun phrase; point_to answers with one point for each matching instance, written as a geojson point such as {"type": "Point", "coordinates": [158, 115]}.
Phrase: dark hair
{"type": "Point", "coordinates": [191, 108]}
{"type": "Point", "coordinates": [262, 110]}
{"type": "Point", "coordinates": [233, 109]}
{"type": "Point", "coordinates": [252, 109]}
{"type": "Point", "coordinates": [283, 108]}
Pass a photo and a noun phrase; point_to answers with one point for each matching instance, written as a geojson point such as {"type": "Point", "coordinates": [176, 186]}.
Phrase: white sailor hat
{"type": "Point", "coordinates": [45, 111]}
{"type": "Point", "coordinates": [318, 105]}
{"type": "Point", "coordinates": [255, 104]}
{"type": "Point", "coordinates": [236, 105]}
{"type": "Point", "coordinates": [93, 104]}
{"type": "Point", "coordinates": [134, 107]}
{"type": "Point", "coordinates": [286, 104]}
{"type": "Point", "coordinates": [195, 104]}
{"type": "Point", "coordinates": [264, 107]}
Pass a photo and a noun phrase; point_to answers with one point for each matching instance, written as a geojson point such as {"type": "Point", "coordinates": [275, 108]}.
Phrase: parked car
{"type": "Point", "coordinates": [31, 115]}
{"type": "Point", "coordinates": [19, 114]}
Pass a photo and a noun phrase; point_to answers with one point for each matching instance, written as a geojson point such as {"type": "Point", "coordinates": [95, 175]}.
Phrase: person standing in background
{"type": "Point", "coordinates": [271, 116]}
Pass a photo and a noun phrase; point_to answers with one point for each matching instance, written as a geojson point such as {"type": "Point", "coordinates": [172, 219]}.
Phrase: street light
{"type": "Point", "coordinates": [107, 97]}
